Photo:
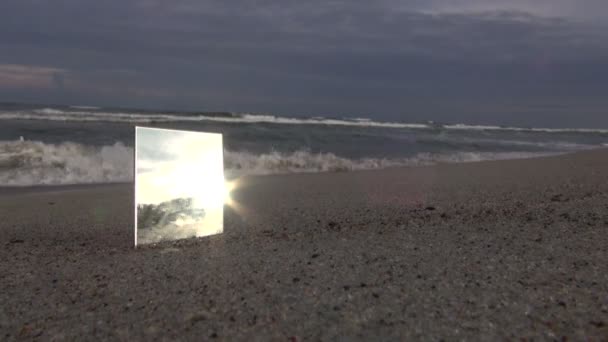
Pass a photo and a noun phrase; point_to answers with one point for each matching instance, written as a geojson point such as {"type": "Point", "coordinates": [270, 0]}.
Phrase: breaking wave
{"type": "Point", "coordinates": [36, 163]}
{"type": "Point", "coordinates": [26, 163]}
{"type": "Point", "coordinates": [93, 114]}
{"type": "Point", "coordinates": [238, 163]}
{"type": "Point", "coordinates": [142, 118]}
{"type": "Point", "coordinates": [523, 129]}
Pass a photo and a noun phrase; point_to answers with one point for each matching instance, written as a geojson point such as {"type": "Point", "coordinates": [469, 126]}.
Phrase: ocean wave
{"type": "Point", "coordinates": [85, 107]}
{"type": "Point", "coordinates": [26, 163]}
{"type": "Point", "coordinates": [142, 118]}
{"type": "Point", "coordinates": [523, 129]}
{"type": "Point", "coordinates": [545, 145]}
{"type": "Point", "coordinates": [36, 163]}
{"type": "Point", "coordinates": [239, 163]}
{"type": "Point", "coordinates": [83, 114]}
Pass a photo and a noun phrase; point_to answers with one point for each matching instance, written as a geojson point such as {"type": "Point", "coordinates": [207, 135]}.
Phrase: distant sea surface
{"type": "Point", "coordinates": [52, 145]}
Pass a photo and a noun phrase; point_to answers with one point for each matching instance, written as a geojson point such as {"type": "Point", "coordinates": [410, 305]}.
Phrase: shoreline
{"type": "Point", "coordinates": [18, 189]}
{"type": "Point", "coordinates": [33, 189]}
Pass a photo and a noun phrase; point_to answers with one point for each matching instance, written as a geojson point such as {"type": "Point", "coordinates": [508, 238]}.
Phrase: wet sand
{"type": "Point", "coordinates": [481, 251]}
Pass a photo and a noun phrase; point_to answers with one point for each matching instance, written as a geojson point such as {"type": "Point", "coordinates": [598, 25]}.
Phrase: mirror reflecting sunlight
{"type": "Point", "coordinates": [180, 189]}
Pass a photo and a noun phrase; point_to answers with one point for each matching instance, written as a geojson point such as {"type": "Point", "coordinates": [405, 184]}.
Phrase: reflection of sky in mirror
{"type": "Point", "coordinates": [154, 147]}
{"type": "Point", "coordinates": [174, 164]}
{"type": "Point", "coordinates": [177, 164]}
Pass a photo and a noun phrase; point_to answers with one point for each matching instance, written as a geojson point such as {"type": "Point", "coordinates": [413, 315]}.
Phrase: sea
{"type": "Point", "coordinates": [57, 145]}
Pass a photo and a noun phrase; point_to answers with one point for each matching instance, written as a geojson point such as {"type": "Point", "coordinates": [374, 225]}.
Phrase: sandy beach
{"type": "Point", "coordinates": [477, 251]}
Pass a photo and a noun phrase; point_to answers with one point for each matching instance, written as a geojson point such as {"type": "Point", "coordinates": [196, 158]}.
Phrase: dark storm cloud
{"type": "Point", "coordinates": [471, 61]}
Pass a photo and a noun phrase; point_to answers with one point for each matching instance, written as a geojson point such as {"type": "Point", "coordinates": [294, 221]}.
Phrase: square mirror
{"type": "Point", "coordinates": [179, 185]}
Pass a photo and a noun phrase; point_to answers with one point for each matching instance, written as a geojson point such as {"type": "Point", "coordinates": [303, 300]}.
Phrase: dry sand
{"type": "Point", "coordinates": [483, 251]}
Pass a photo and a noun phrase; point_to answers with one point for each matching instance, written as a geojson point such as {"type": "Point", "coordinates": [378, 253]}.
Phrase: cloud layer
{"type": "Point", "coordinates": [527, 63]}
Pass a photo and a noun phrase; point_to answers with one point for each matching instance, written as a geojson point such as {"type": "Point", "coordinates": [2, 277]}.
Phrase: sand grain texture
{"type": "Point", "coordinates": [483, 251]}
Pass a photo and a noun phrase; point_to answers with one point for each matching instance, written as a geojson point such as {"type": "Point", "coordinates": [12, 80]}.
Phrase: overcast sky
{"type": "Point", "coordinates": [519, 62]}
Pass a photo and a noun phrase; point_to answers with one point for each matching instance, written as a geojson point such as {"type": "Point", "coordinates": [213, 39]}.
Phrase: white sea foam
{"type": "Point", "coordinates": [58, 115]}
{"type": "Point", "coordinates": [523, 129]}
{"type": "Point", "coordinates": [82, 114]}
{"type": "Point", "coordinates": [34, 163]}
{"type": "Point", "coordinates": [24, 163]}
{"type": "Point", "coordinates": [238, 163]}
